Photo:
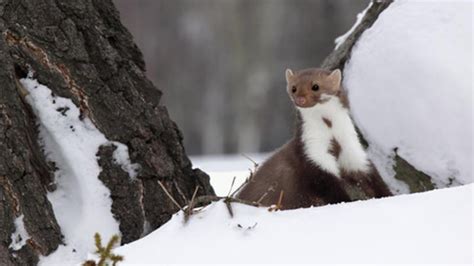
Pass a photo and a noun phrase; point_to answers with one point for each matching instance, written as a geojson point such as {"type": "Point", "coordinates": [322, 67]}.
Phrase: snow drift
{"type": "Point", "coordinates": [430, 227]}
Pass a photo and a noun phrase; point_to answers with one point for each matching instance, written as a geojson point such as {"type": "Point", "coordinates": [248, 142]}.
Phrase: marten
{"type": "Point", "coordinates": [324, 154]}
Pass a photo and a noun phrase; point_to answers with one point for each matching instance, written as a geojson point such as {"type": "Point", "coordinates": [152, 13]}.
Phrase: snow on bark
{"type": "Point", "coordinates": [122, 158]}
{"type": "Point", "coordinates": [20, 235]}
{"type": "Point", "coordinates": [339, 40]}
{"type": "Point", "coordinates": [81, 202]}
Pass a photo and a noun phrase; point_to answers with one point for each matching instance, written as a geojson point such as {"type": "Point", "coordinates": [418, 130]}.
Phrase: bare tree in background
{"type": "Point", "coordinates": [222, 62]}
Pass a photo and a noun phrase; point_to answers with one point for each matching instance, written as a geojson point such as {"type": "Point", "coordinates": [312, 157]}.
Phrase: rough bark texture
{"type": "Point", "coordinates": [81, 51]}
{"type": "Point", "coordinates": [417, 181]}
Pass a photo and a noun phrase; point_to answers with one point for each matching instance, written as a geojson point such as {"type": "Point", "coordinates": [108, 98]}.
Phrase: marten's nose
{"type": "Point", "coordinates": [300, 100]}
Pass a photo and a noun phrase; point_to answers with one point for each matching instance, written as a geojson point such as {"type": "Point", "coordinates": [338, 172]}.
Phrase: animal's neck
{"type": "Point", "coordinates": [325, 124]}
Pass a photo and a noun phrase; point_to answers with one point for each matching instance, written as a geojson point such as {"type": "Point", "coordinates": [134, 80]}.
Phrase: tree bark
{"type": "Point", "coordinates": [80, 50]}
{"type": "Point", "coordinates": [417, 181]}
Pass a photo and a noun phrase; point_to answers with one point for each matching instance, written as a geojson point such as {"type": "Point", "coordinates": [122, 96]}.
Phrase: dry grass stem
{"type": "Point", "coordinates": [231, 186]}
{"type": "Point", "coordinates": [170, 196]}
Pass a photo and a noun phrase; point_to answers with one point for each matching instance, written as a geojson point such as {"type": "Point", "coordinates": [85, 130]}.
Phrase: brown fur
{"type": "Point", "coordinates": [303, 183]}
{"type": "Point", "coordinates": [327, 122]}
{"type": "Point", "coordinates": [371, 183]}
{"type": "Point", "coordinates": [335, 148]}
{"type": "Point", "coordinates": [303, 82]}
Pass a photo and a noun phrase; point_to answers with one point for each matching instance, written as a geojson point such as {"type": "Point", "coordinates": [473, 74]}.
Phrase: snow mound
{"type": "Point", "coordinates": [81, 202]}
{"type": "Point", "coordinates": [409, 81]}
{"type": "Point", "coordinates": [430, 227]}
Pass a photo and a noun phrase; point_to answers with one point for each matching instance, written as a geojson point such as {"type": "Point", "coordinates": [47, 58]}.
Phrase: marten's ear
{"type": "Point", "coordinates": [335, 78]}
{"type": "Point", "coordinates": [289, 74]}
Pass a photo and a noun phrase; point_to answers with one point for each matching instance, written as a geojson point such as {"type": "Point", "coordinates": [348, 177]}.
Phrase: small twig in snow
{"type": "Point", "coordinates": [278, 206]}
{"type": "Point", "coordinates": [231, 186]}
{"type": "Point", "coordinates": [209, 198]}
{"type": "Point", "coordinates": [248, 179]}
{"type": "Point", "coordinates": [194, 195]}
{"type": "Point", "coordinates": [241, 186]}
{"type": "Point", "coordinates": [255, 164]}
{"type": "Point", "coordinates": [280, 199]}
{"type": "Point", "coordinates": [271, 188]}
{"type": "Point", "coordinates": [229, 207]}
{"type": "Point", "coordinates": [170, 196]}
{"type": "Point", "coordinates": [248, 227]}
{"type": "Point", "coordinates": [251, 227]}
{"type": "Point", "coordinates": [179, 191]}
{"type": "Point", "coordinates": [190, 209]}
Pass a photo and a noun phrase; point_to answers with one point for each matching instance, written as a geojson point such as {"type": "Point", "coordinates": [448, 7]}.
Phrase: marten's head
{"type": "Point", "coordinates": [309, 87]}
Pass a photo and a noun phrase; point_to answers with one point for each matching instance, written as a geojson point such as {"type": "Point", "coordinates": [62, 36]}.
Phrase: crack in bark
{"type": "Point", "coordinates": [61, 69]}
{"type": "Point", "coordinates": [141, 203]}
{"type": "Point", "coordinates": [35, 246]}
{"type": "Point", "coordinates": [8, 187]}
{"type": "Point", "coordinates": [5, 116]}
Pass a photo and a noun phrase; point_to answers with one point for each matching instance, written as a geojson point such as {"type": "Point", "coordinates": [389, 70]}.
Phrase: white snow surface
{"type": "Point", "coordinates": [81, 202]}
{"type": "Point", "coordinates": [430, 227]}
{"type": "Point", "coordinates": [223, 168]}
{"type": "Point", "coordinates": [20, 235]}
{"type": "Point", "coordinates": [409, 81]}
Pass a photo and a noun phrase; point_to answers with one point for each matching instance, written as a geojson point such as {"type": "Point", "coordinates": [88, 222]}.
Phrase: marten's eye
{"type": "Point", "coordinates": [315, 87]}
{"type": "Point", "coordinates": [293, 89]}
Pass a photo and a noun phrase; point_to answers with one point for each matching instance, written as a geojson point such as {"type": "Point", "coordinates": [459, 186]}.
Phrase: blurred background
{"type": "Point", "coordinates": [221, 63]}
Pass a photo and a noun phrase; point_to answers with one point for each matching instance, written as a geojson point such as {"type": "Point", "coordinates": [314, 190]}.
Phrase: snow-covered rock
{"type": "Point", "coordinates": [409, 81]}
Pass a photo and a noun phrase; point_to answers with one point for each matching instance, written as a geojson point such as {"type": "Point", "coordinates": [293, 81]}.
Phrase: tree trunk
{"type": "Point", "coordinates": [80, 50]}
{"type": "Point", "coordinates": [417, 181]}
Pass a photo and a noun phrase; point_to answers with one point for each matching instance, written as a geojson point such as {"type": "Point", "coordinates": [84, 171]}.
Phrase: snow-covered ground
{"type": "Point", "coordinates": [431, 227]}
{"type": "Point", "coordinates": [223, 168]}
{"type": "Point", "coordinates": [409, 81]}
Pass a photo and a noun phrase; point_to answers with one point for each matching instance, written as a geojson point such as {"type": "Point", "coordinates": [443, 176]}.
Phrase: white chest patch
{"type": "Point", "coordinates": [317, 137]}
